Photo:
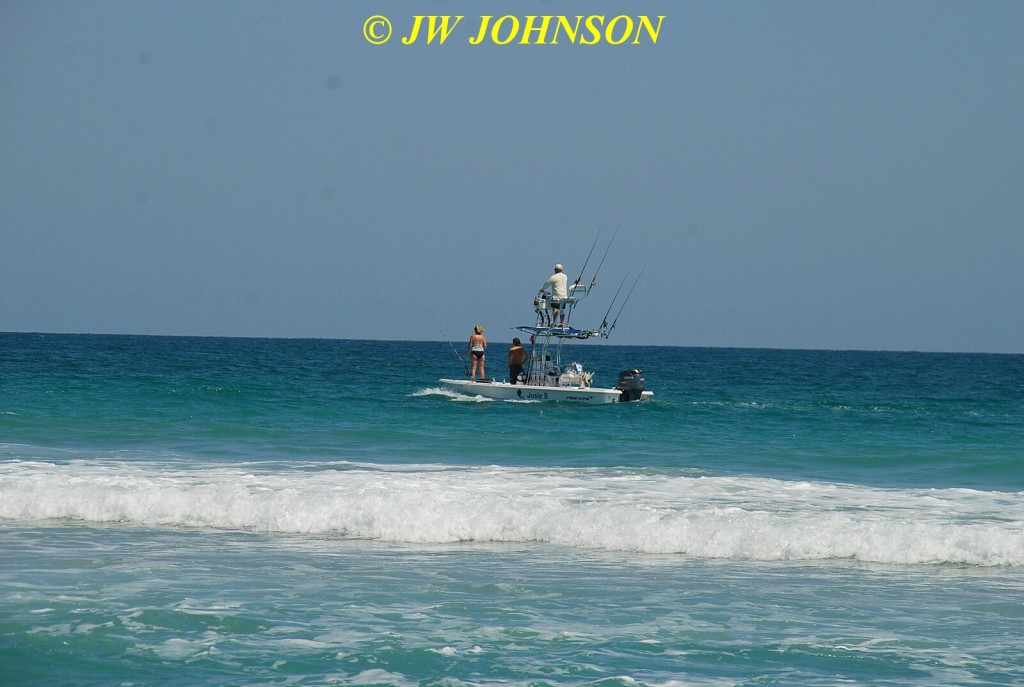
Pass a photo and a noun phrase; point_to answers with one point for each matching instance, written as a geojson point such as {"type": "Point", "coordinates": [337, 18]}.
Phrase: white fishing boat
{"type": "Point", "coordinates": [545, 377]}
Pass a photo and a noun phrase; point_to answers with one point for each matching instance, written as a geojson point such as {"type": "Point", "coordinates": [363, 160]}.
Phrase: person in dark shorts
{"type": "Point", "coordinates": [517, 357]}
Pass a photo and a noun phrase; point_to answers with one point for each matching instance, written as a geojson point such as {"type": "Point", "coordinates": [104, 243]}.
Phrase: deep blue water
{"type": "Point", "coordinates": [180, 510]}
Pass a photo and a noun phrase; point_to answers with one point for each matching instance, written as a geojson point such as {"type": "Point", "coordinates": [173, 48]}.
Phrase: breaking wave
{"type": "Point", "coordinates": [625, 510]}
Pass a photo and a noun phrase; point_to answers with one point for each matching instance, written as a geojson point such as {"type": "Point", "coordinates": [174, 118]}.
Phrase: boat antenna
{"type": "Point", "coordinates": [627, 299]}
{"type": "Point", "coordinates": [610, 241]}
{"type": "Point", "coordinates": [465, 367]}
{"type": "Point", "coordinates": [587, 261]}
{"type": "Point", "coordinates": [604, 322]}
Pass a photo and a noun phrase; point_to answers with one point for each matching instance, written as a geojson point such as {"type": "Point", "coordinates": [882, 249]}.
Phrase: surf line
{"type": "Point", "coordinates": [541, 29]}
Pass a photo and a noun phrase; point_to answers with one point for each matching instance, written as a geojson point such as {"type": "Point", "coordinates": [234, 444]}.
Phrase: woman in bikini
{"type": "Point", "coordinates": [477, 350]}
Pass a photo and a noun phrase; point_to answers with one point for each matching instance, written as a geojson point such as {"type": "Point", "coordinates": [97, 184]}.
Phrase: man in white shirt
{"type": "Point", "coordinates": [557, 283]}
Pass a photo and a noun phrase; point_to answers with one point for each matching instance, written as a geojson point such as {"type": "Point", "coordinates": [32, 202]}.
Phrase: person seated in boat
{"type": "Point", "coordinates": [517, 357]}
{"type": "Point", "coordinates": [477, 352]}
{"type": "Point", "coordinates": [557, 284]}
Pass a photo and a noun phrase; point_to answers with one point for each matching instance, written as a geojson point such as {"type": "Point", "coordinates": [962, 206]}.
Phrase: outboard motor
{"type": "Point", "coordinates": [631, 384]}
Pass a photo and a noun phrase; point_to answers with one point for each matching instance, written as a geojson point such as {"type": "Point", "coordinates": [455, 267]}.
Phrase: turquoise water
{"type": "Point", "coordinates": [234, 512]}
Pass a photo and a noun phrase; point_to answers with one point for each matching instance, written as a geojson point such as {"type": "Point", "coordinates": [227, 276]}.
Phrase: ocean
{"type": "Point", "coordinates": [218, 511]}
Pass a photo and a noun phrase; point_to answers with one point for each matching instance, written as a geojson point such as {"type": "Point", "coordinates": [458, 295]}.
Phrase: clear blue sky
{"type": "Point", "coordinates": [798, 174]}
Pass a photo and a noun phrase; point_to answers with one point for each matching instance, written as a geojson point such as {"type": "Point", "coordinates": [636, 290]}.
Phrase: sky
{"type": "Point", "coordinates": [785, 173]}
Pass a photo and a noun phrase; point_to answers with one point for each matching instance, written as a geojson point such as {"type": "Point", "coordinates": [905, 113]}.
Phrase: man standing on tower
{"type": "Point", "coordinates": [558, 285]}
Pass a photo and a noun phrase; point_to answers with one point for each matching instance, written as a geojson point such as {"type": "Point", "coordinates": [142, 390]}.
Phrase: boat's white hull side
{"type": "Point", "coordinates": [503, 391]}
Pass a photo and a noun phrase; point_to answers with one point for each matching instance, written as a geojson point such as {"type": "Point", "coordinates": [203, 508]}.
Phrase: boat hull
{"type": "Point", "coordinates": [503, 391]}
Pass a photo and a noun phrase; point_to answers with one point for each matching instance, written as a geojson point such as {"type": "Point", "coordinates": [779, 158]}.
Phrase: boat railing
{"type": "Point", "coordinates": [544, 306]}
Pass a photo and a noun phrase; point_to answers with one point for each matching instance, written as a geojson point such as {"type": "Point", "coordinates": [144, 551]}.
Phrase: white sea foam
{"type": "Point", "coordinates": [176, 649]}
{"type": "Point", "coordinates": [452, 394]}
{"type": "Point", "coordinates": [616, 510]}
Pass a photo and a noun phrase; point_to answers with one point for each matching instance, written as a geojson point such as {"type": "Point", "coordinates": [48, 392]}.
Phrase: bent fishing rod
{"type": "Point", "coordinates": [465, 367]}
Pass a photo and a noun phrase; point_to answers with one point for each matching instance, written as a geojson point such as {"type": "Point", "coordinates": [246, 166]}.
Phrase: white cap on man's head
{"type": "Point", "coordinates": [558, 267]}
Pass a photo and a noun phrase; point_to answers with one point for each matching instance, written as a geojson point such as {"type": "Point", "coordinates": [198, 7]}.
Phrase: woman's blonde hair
{"type": "Point", "coordinates": [479, 329]}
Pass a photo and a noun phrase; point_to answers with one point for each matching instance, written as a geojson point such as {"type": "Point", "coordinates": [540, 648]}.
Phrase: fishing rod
{"type": "Point", "coordinates": [612, 240]}
{"type": "Point", "coordinates": [465, 367]}
{"type": "Point", "coordinates": [627, 299]}
{"type": "Point", "coordinates": [604, 321]}
{"type": "Point", "coordinates": [587, 261]}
